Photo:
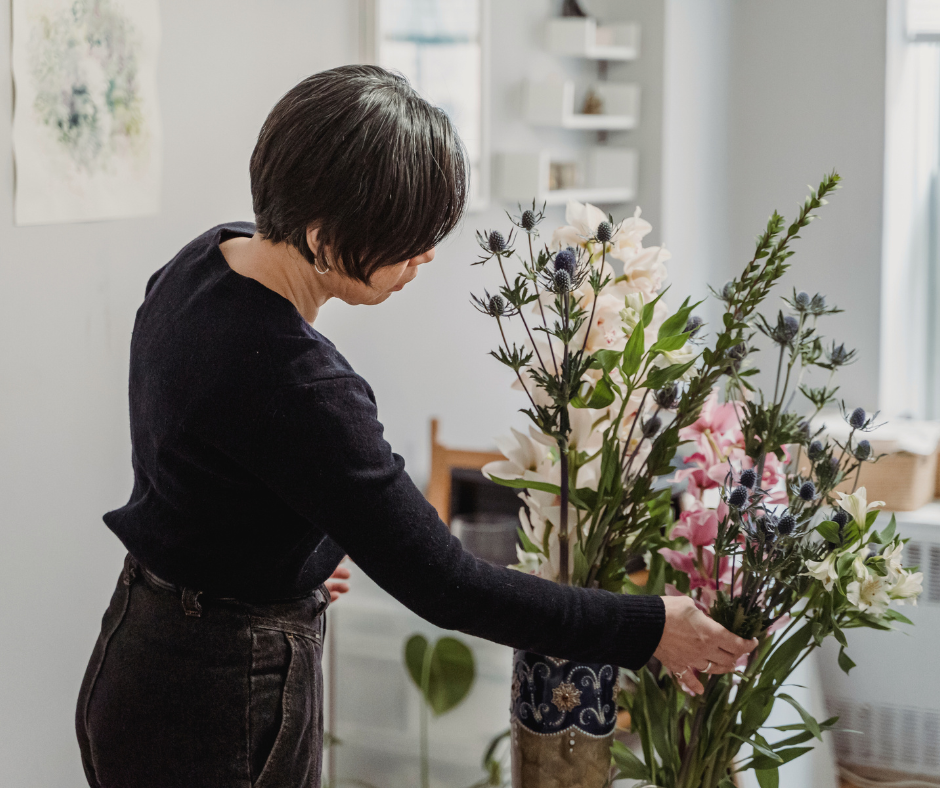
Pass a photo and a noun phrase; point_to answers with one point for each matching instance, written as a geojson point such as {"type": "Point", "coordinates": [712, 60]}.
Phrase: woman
{"type": "Point", "coordinates": [259, 462]}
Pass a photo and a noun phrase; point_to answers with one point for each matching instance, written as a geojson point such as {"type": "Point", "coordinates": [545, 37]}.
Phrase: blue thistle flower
{"type": "Point", "coordinates": [566, 260]}
{"type": "Point", "coordinates": [863, 450]}
{"type": "Point", "coordinates": [651, 427]}
{"type": "Point", "coordinates": [748, 478]}
{"type": "Point", "coordinates": [496, 305]}
{"type": "Point", "coordinates": [857, 419]}
{"type": "Point", "coordinates": [496, 241]}
{"type": "Point", "coordinates": [604, 232]}
{"type": "Point", "coordinates": [667, 397]}
{"type": "Point", "coordinates": [807, 491]}
{"type": "Point", "coordinates": [786, 524]}
{"type": "Point", "coordinates": [562, 281]}
{"type": "Point", "coordinates": [693, 325]}
{"type": "Point", "coordinates": [840, 517]}
{"type": "Point", "coordinates": [790, 326]}
{"type": "Point", "coordinates": [528, 220]}
{"type": "Point", "coordinates": [815, 450]}
{"type": "Point", "coordinates": [738, 497]}
{"type": "Point", "coordinates": [802, 300]}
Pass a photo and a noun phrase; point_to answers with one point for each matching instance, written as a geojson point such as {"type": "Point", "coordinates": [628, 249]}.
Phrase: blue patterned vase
{"type": "Point", "coordinates": [563, 716]}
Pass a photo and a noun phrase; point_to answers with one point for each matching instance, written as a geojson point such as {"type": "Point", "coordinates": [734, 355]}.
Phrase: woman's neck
{"type": "Point", "coordinates": [279, 267]}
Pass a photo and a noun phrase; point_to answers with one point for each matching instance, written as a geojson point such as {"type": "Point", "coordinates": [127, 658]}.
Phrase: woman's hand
{"type": "Point", "coordinates": [692, 641]}
{"type": "Point", "coordinates": [336, 584]}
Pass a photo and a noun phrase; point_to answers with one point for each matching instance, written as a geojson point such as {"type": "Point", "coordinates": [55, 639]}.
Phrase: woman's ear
{"type": "Point", "coordinates": [313, 242]}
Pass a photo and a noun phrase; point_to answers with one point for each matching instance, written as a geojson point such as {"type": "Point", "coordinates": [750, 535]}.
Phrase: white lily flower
{"type": "Point", "coordinates": [857, 505]}
{"type": "Point", "coordinates": [528, 562]}
{"type": "Point", "coordinates": [682, 355]}
{"type": "Point", "coordinates": [633, 310]}
{"type": "Point", "coordinates": [824, 571]}
{"type": "Point", "coordinates": [582, 219]}
{"type": "Point", "coordinates": [522, 454]}
{"type": "Point", "coordinates": [869, 592]}
{"type": "Point", "coordinates": [893, 562]}
{"type": "Point", "coordinates": [907, 587]}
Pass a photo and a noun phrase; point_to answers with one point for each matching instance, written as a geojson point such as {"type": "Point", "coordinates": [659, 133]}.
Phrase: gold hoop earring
{"type": "Point", "coordinates": [317, 268]}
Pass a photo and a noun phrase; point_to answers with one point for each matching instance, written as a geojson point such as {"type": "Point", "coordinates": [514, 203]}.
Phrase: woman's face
{"type": "Point", "coordinates": [385, 281]}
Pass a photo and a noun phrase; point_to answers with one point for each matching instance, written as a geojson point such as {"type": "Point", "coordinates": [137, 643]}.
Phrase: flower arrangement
{"type": "Point", "coordinates": [765, 542]}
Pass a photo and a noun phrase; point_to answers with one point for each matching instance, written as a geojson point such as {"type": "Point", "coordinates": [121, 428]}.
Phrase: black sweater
{"type": "Point", "coordinates": [259, 461]}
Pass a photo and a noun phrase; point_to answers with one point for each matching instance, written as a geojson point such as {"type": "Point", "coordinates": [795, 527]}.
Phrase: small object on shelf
{"type": "Point", "coordinates": [593, 104]}
{"type": "Point", "coordinates": [552, 103]}
{"type": "Point", "coordinates": [571, 8]}
{"type": "Point", "coordinates": [610, 176]}
{"type": "Point", "coordinates": [583, 37]}
{"type": "Point", "coordinates": [563, 175]}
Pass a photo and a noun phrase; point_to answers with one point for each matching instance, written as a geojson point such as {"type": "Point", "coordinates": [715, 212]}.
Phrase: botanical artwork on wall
{"type": "Point", "coordinates": [86, 128]}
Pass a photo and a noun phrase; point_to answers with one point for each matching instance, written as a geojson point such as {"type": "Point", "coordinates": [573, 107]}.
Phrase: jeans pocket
{"type": "Point", "coordinates": [285, 714]}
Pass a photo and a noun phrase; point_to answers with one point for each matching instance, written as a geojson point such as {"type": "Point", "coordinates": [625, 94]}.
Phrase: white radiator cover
{"type": "Point", "coordinates": [893, 695]}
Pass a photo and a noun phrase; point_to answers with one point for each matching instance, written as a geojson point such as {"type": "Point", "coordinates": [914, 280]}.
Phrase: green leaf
{"type": "Point", "coordinates": [870, 519]}
{"type": "Point", "coordinates": [768, 778]}
{"type": "Point", "coordinates": [649, 308]}
{"type": "Point", "coordinates": [601, 396]}
{"type": "Point", "coordinates": [606, 359]}
{"type": "Point", "coordinates": [633, 352]}
{"type": "Point", "coordinates": [676, 323]}
{"type": "Point", "coordinates": [844, 661]}
{"type": "Point", "coordinates": [780, 663]}
{"type": "Point", "coordinates": [888, 533]}
{"type": "Point", "coordinates": [761, 763]}
{"type": "Point", "coordinates": [627, 761]}
{"type": "Point", "coordinates": [660, 376]}
{"type": "Point", "coordinates": [527, 544]}
{"type": "Point", "coordinates": [829, 531]}
{"type": "Point", "coordinates": [527, 484]}
{"type": "Point", "coordinates": [893, 615]}
{"type": "Point", "coordinates": [450, 674]}
{"type": "Point", "coordinates": [811, 725]}
{"type": "Point", "coordinates": [761, 748]}
{"type": "Point", "coordinates": [666, 344]}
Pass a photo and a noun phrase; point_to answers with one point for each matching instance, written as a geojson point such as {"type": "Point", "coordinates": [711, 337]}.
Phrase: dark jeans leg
{"type": "Point", "coordinates": [228, 695]}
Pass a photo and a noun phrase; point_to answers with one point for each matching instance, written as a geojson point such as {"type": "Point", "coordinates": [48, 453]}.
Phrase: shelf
{"type": "Point", "coordinates": [583, 37]}
{"type": "Point", "coordinates": [604, 175]}
{"type": "Point", "coordinates": [552, 103]}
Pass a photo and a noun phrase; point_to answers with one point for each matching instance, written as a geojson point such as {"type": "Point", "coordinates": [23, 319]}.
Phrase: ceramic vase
{"type": "Point", "coordinates": [563, 716]}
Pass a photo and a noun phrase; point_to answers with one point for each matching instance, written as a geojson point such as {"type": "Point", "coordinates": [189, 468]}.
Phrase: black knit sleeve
{"type": "Point", "coordinates": [320, 449]}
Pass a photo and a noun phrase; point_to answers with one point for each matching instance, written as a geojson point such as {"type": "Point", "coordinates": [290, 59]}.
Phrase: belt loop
{"type": "Point", "coordinates": [191, 604]}
{"type": "Point", "coordinates": [130, 569]}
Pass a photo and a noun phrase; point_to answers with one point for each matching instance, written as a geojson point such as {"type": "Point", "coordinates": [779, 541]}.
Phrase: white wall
{"type": "Point", "coordinates": [68, 294]}
{"type": "Point", "coordinates": [807, 95]}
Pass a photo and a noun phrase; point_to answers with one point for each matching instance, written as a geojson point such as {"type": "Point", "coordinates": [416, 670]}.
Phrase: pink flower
{"type": "Point", "coordinates": [699, 525]}
{"type": "Point", "coordinates": [717, 426]}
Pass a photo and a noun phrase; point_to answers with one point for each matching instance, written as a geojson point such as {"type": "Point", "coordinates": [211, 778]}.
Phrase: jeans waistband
{"type": "Point", "coordinates": [190, 597]}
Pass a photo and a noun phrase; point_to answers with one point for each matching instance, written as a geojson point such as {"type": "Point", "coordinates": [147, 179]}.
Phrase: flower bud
{"type": "Point", "coordinates": [496, 241]}
{"type": "Point", "coordinates": [651, 427]}
{"type": "Point", "coordinates": [818, 304]}
{"type": "Point", "coordinates": [604, 232]}
{"type": "Point", "coordinates": [565, 260]}
{"type": "Point", "coordinates": [815, 450]}
{"type": "Point", "coordinates": [667, 397]}
{"type": "Point", "coordinates": [738, 497]}
{"type": "Point", "coordinates": [528, 221]}
{"type": "Point", "coordinates": [748, 478]}
{"type": "Point", "coordinates": [496, 305]}
{"type": "Point", "coordinates": [738, 352]}
{"type": "Point", "coordinates": [808, 491]}
{"type": "Point", "coordinates": [693, 325]}
{"type": "Point", "coordinates": [838, 356]}
{"type": "Point", "coordinates": [857, 419]}
{"type": "Point", "coordinates": [840, 517]}
{"type": "Point", "coordinates": [727, 292]}
{"type": "Point", "coordinates": [562, 281]}
{"type": "Point", "coordinates": [863, 450]}
{"type": "Point", "coordinates": [802, 300]}
{"type": "Point", "coordinates": [790, 326]}
{"type": "Point", "coordinates": [786, 524]}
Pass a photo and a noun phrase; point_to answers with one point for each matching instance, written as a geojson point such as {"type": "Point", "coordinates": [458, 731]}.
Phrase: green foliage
{"type": "Point", "coordinates": [444, 673]}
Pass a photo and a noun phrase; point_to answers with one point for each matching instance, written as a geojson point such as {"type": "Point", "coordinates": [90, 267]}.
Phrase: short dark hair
{"type": "Point", "coordinates": [357, 153]}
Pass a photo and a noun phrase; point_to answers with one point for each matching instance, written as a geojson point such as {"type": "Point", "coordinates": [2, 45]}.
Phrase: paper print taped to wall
{"type": "Point", "coordinates": [86, 128]}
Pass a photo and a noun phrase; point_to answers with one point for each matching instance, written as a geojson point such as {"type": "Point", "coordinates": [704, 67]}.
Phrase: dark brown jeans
{"type": "Point", "coordinates": [188, 691]}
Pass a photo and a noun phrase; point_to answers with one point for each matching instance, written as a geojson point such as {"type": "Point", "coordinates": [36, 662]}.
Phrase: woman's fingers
{"type": "Point", "coordinates": [341, 573]}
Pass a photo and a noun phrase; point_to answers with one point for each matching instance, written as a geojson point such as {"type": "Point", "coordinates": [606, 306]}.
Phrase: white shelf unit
{"type": "Point", "coordinates": [552, 103]}
{"type": "Point", "coordinates": [583, 37]}
{"type": "Point", "coordinates": [610, 176]}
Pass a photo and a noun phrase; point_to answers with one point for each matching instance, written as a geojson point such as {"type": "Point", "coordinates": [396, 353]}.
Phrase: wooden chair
{"type": "Point", "coordinates": [443, 463]}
